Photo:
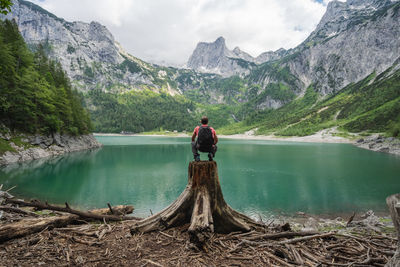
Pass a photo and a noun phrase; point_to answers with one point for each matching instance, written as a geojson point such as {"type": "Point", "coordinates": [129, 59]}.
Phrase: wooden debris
{"type": "Point", "coordinates": [29, 226]}
{"type": "Point", "coordinates": [17, 210]}
{"type": "Point", "coordinates": [270, 236]}
{"type": "Point", "coordinates": [67, 209]}
{"type": "Point", "coordinates": [295, 240]}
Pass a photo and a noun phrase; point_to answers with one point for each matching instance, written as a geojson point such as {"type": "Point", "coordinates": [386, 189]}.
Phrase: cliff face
{"type": "Point", "coordinates": [87, 51]}
{"type": "Point", "coordinates": [217, 58]}
{"type": "Point", "coordinates": [352, 40]}
{"type": "Point", "coordinates": [30, 147]}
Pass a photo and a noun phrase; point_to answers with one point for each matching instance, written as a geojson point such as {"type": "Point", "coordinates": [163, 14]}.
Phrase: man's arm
{"type": "Point", "coordinates": [215, 137]}
{"type": "Point", "coordinates": [194, 136]}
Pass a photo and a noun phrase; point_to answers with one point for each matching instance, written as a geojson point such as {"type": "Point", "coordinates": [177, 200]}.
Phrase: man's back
{"type": "Point", "coordinates": [206, 140]}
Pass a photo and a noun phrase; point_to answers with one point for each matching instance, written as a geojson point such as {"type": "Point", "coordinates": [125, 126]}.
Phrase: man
{"type": "Point", "coordinates": [206, 140]}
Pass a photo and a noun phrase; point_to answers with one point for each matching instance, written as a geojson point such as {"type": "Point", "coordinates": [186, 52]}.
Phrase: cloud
{"type": "Point", "coordinates": [168, 31]}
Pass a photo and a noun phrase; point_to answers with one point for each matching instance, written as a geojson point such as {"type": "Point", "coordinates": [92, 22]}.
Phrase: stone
{"type": "Point", "coordinates": [57, 140]}
{"type": "Point", "coordinates": [36, 140]}
{"type": "Point", "coordinates": [361, 140]}
{"type": "Point", "coordinates": [384, 149]}
{"type": "Point", "coordinates": [371, 146]}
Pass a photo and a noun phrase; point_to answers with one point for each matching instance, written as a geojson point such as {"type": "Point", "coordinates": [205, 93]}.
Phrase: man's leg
{"type": "Point", "coordinates": [195, 151]}
{"type": "Point", "coordinates": [211, 154]}
{"type": "Point", "coordinates": [215, 148]}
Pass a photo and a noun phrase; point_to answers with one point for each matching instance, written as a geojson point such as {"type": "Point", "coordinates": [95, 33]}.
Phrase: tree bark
{"type": "Point", "coordinates": [393, 202]}
{"type": "Point", "coordinates": [202, 205]}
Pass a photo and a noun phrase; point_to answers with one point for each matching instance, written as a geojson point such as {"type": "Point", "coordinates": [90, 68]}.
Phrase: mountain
{"type": "Point", "coordinates": [88, 52]}
{"type": "Point", "coordinates": [217, 58]}
{"type": "Point", "coordinates": [371, 105]}
{"type": "Point", "coordinates": [93, 59]}
{"type": "Point", "coordinates": [352, 40]}
{"type": "Point", "coordinates": [271, 55]}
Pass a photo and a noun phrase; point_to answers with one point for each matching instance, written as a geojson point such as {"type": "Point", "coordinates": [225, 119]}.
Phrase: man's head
{"type": "Point", "coordinates": [204, 120]}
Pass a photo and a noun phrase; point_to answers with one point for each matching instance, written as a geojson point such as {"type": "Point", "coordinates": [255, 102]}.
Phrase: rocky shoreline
{"type": "Point", "coordinates": [32, 147]}
{"type": "Point", "coordinates": [380, 143]}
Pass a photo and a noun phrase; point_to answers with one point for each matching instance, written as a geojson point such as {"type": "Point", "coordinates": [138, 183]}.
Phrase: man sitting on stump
{"type": "Point", "coordinates": [206, 140]}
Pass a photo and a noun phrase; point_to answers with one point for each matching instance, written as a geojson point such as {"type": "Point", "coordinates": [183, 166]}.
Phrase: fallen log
{"type": "Point", "coordinates": [30, 226]}
{"type": "Point", "coordinates": [202, 205]}
{"type": "Point", "coordinates": [26, 227]}
{"type": "Point", "coordinates": [393, 203]}
{"type": "Point", "coordinates": [82, 214]}
{"type": "Point", "coordinates": [281, 235]}
{"type": "Point", "coordinates": [295, 240]}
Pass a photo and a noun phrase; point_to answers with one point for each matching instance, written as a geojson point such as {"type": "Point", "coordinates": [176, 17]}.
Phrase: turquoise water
{"type": "Point", "coordinates": [257, 177]}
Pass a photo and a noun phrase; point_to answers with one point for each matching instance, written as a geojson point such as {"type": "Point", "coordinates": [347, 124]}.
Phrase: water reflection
{"type": "Point", "coordinates": [257, 177]}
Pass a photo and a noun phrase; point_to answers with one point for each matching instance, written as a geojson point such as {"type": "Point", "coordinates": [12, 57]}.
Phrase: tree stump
{"type": "Point", "coordinates": [393, 202]}
{"type": "Point", "coordinates": [202, 205]}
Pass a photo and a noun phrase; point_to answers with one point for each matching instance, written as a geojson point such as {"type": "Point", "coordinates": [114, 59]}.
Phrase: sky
{"type": "Point", "coordinates": [167, 31]}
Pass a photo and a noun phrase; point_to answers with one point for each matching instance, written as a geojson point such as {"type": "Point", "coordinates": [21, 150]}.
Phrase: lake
{"type": "Point", "coordinates": [257, 177]}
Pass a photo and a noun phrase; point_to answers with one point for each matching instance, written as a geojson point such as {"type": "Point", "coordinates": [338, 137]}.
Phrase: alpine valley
{"type": "Point", "coordinates": [344, 76]}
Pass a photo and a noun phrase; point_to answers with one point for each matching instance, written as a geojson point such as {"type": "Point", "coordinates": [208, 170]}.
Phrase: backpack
{"type": "Point", "coordinates": [205, 139]}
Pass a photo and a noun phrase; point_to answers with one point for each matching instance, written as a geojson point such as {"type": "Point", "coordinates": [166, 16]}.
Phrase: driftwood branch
{"type": "Point", "coordinates": [17, 210]}
{"type": "Point", "coordinates": [68, 209]}
{"type": "Point", "coordinates": [29, 226]}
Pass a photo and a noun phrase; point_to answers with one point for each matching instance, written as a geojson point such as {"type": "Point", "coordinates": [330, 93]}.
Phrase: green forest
{"type": "Point", "coordinates": [35, 94]}
{"type": "Point", "coordinates": [139, 111]}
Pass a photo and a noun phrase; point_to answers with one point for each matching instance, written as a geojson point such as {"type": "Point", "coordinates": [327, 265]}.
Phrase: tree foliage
{"type": "Point", "coordinates": [35, 94]}
{"type": "Point", "coordinates": [5, 6]}
{"type": "Point", "coordinates": [140, 111]}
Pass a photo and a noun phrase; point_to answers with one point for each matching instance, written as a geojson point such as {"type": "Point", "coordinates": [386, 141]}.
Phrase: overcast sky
{"type": "Point", "coordinates": [167, 31]}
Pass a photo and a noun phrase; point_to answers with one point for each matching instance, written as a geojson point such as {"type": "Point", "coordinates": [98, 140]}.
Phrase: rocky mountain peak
{"type": "Point", "coordinates": [214, 57]}
{"type": "Point", "coordinates": [220, 41]}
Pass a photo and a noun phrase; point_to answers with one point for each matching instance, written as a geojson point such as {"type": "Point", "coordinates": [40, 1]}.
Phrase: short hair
{"type": "Point", "coordinates": [204, 120]}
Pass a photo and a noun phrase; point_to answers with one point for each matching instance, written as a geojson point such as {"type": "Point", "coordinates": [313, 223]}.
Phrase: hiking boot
{"type": "Point", "coordinates": [210, 157]}
{"type": "Point", "coordinates": [197, 158]}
